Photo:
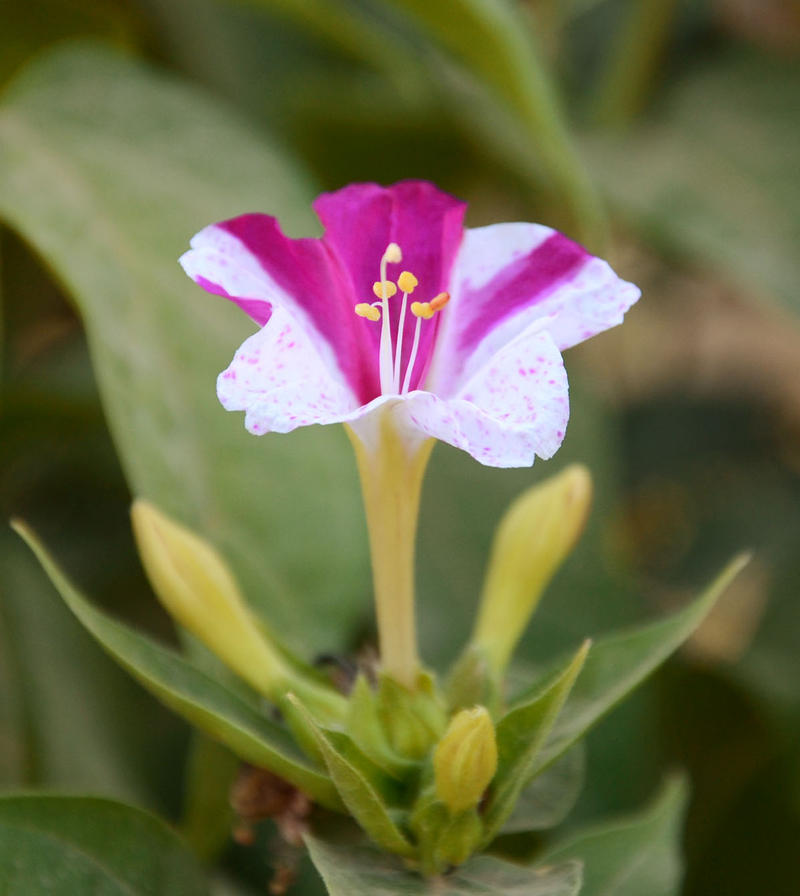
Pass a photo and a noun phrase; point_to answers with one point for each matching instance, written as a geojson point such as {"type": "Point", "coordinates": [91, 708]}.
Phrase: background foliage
{"type": "Point", "coordinates": [662, 133]}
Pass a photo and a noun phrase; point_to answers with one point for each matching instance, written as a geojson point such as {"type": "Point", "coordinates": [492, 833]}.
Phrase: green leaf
{"type": "Point", "coordinates": [494, 41]}
{"type": "Point", "coordinates": [353, 871]}
{"type": "Point", "coordinates": [347, 27]}
{"type": "Point", "coordinates": [190, 692]}
{"type": "Point", "coordinates": [546, 801]}
{"type": "Point", "coordinates": [107, 170]}
{"type": "Point", "coordinates": [31, 27]}
{"type": "Point", "coordinates": [63, 846]}
{"type": "Point", "coordinates": [636, 856]}
{"type": "Point", "coordinates": [618, 663]}
{"type": "Point", "coordinates": [711, 173]}
{"type": "Point", "coordinates": [60, 698]}
{"type": "Point", "coordinates": [521, 733]}
{"type": "Point", "coordinates": [358, 793]}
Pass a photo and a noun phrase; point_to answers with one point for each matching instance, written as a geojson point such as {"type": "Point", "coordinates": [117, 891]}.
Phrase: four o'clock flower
{"type": "Point", "coordinates": [406, 327]}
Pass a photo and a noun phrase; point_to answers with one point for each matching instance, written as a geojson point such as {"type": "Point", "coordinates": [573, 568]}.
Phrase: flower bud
{"type": "Point", "coordinates": [465, 759]}
{"type": "Point", "coordinates": [196, 587]}
{"type": "Point", "coordinates": [532, 540]}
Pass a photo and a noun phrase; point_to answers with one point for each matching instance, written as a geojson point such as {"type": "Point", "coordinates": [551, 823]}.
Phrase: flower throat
{"type": "Point", "coordinates": [391, 350]}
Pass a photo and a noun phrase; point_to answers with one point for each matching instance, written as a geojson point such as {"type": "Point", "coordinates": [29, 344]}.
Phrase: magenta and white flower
{"type": "Point", "coordinates": [463, 343]}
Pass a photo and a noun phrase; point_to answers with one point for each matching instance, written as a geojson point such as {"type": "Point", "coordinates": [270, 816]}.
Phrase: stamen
{"type": "Point", "coordinates": [364, 309]}
{"type": "Point", "coordinates": [413, 356]}
{"type": "Point", "coordinates": [385, 359]}
{"type": "Point", "coordinates": [398, 352]}
{"type": "Point", "coordinates": [390, 357]}
{"type": "Point", "coordinates": [392, 254]}
{"type": "Point", "coordinates": [422, 309]}
{"type": "Point", "coordinates": [407, 282]}
{"type": "Point", "coordinates": [440, 301]}
{"type": "Point", "coordinates": [384, 290]}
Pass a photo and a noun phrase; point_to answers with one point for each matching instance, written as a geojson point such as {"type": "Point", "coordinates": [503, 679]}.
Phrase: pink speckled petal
{"type": "Point", "coordinates": [511, 411]}
{"type": "Point", "coordinates": [524, 386]}
{"type": "Point", "coordinates": [279, 379]}
{"type": "Point", "coordinates": [250, 261]}
{"type": "Point", "coordinates": [508, 275]}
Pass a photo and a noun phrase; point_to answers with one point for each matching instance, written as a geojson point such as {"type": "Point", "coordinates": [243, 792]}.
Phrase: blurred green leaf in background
{"type": "Point", "coordinates": [667, 130]}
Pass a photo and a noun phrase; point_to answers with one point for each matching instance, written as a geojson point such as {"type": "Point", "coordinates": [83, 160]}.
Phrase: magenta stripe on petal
{"type": "Point", "coordinates": [307, 272]}
{"type": "Point", "coordinates": [259, 310]}
{"type": "Point", "coordinates": [362, 219]}
{"type": "Point", "coordinates": [525, 282]}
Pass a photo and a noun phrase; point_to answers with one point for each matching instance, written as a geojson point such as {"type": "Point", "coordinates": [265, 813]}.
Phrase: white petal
{"type": "Point", "coordinates": [279, 379]}
{"type": "Point", "coordinates": [514, 409]}
{"type": "Point", "coordinates": [508, 275]}
{"type": "Point", "coordinates": [218, 258]}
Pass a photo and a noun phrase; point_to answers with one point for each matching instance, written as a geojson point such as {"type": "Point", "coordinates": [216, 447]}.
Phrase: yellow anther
{"type": "Point", "coordinates": [363, 309]}
{"type": "Point", "coordinates": [384, 290]}
{"type": "Point", "coordinates": [422, 309]}
{"type": "Point", "coordinates": [407, 281]}
{"type": "Point", "coordinates": [392, 254]}
{"type": "Point", "coordinates": [440, 301]}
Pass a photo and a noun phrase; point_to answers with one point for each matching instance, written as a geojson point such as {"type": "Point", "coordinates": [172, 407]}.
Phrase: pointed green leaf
{"type": "Point", "coordinates": [183, 687]}
{"type": "Point", "coordinates": [620, 662]}
{"type": "Point", "coordinates": [107, 169]}
{"type": "Point", "coordinates": [358, 793]}
{"type": "Point", "coordinates": [60, 723]}
{"type": "Point", "coordinates": [521, 733]}
{"type": "Point", "coordinates": [63, 846]}
{"type": "Point", "coordinates": [634, 856]}
{"type": "Point", "coordinates": [354, 871]}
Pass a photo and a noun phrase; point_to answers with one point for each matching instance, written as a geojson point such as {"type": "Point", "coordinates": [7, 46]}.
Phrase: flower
{"type": "Point", "coordinates": [398, 312]}
{"type": "Point", "coordinates": [407, 328]}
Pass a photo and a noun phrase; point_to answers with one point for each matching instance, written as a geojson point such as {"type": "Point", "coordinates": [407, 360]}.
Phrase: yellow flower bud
{"type": "Point", "coordinates": [196, 587]}
{"type": "Point", "coordinates": [465, 759]}
{"type": "Point", "coordinates": [533, 538]}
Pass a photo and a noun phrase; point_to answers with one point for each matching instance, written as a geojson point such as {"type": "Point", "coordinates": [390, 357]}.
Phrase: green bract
{"type": "Point", "coordinates": [352, 766]}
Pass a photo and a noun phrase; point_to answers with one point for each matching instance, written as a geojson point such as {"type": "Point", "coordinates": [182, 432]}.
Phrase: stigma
{"type": "Point", "coordinates": [391, 345]}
